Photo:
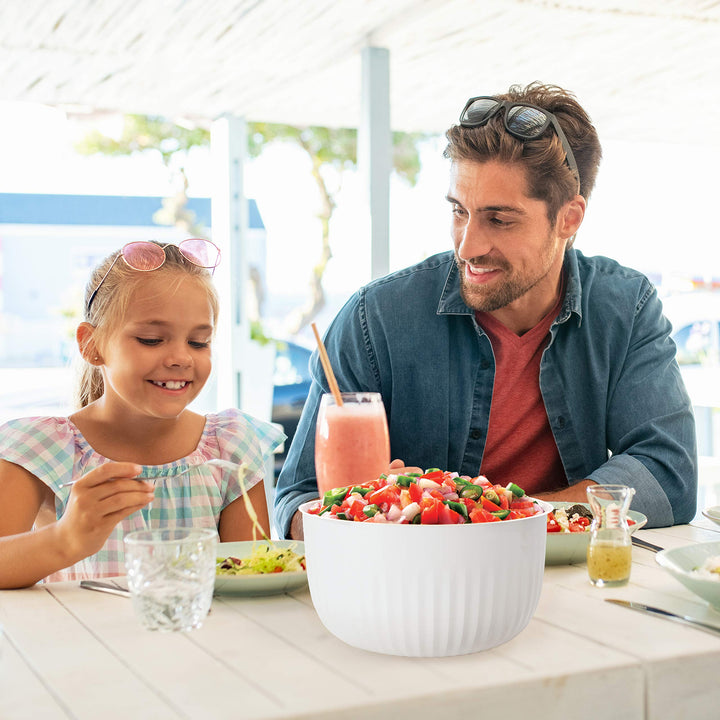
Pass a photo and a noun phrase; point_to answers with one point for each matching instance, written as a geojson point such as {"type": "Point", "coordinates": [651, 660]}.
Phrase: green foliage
{"type": "Point", "coordinates": [336, 147]}
{"type": "Point", "coordinates": [142, 133]}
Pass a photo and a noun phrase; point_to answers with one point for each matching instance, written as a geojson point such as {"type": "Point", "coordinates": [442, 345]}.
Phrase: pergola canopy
{"type": "Point", "coordinates": [642, 68]}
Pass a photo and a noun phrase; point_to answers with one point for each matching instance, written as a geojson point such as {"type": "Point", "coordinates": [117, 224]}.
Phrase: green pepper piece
{"type": "Point", "coordinates": [429, 470]}
{"type": "Point", "coordinates": [371, 510]}
{"type": "Point", "coordinates": [324, 510]}
{"type": "Point", "coordinates": [416, 519]}
{"type": "Point", "coordinates": [516, 491]}
{"type": "Point", "coordinates": [335, 496]}
{"type": "Point", "coordinates": [405, 480]}
{"type": "Point", "coordinates": [502, 514]}
{"type": "Point", "coordinates": [474, 492]}
{"type": "Point", "coordinates": [492, 496]}
{"type": "Point", "coordinates": [458, 507]}
{"type": "Point", "coordinates": [342, 516]}
{"type": "Point", "coordinates": [360, 490]}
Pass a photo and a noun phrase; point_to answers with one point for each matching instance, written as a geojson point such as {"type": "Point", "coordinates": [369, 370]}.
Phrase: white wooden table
{"type": "Point", "coordinates": [70, 653]}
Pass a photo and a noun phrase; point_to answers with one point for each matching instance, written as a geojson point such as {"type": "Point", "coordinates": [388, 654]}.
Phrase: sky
{"type": "Point", "coordinates": [652, 207]}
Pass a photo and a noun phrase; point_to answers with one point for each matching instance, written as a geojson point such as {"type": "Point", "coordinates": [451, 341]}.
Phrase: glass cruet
{"type": "Point", "coordinates": [609, 554]}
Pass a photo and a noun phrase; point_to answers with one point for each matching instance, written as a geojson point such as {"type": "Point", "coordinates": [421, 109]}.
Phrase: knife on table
{"type": "Point", "coordinates": [645, 544]}
{"type": "Point", "coordinates": [686, 619]}
{"type": "Point", "coordinates": [104, 587]}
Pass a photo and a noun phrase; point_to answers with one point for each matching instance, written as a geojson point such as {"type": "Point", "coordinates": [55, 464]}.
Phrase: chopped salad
{"type": "Point", "coordinates": [435, 497]}
{"type": "Point", "coordinates": [263, 560]}
{"type": "Point", "coordinates": [572, 519]}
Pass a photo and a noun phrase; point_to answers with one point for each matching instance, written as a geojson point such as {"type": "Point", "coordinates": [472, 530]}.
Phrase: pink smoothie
{"type": "Point", "coordinates": [351, 445]}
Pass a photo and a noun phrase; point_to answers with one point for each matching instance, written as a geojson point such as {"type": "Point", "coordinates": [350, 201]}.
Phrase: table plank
{"type": "Point", "coordinates": [18, 683]}
{"type": "Point", "coordinates": [69, 658]}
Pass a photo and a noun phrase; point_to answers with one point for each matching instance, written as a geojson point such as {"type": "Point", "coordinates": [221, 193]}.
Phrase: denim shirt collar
{"type": "Point", "coordinates": [451, 302]}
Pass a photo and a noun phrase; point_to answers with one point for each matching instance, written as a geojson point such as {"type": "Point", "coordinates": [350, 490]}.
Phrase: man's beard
{"type": "Point", "coordinates": [487, 299]}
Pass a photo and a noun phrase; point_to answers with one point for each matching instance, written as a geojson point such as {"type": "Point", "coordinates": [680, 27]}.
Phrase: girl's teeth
{"type": "Point", "coordinates": [172, 384]}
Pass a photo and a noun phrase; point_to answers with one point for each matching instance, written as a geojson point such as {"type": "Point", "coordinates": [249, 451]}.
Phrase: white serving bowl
{"type": "Point", "coordinates": [425, 590]}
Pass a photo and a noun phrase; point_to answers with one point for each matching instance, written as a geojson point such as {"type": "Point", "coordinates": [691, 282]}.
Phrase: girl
{"type": "Point", "coordinates": [150, 315]}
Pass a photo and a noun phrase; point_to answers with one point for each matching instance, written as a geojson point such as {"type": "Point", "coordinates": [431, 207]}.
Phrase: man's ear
{"type": "Point", "coordinates": [85, 336]}
{"type": "Point", "coordinates": [571, 216]}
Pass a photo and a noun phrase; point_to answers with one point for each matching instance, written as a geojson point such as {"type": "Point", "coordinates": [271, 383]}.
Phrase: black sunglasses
{"type": "Point", "coordinates": [522, 120]}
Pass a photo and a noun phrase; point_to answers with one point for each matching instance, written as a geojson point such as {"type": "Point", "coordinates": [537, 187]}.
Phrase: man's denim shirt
{"type": "Point", "coordinates": [612, 389]}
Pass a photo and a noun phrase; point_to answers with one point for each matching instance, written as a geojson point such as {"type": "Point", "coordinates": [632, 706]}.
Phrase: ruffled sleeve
{"type": "Point", "coordinates": [47, 447]}
{"type": "Point", "coordinates": [243, 439]}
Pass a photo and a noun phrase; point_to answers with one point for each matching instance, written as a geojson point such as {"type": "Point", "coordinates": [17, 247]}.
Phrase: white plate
{"type": "Point", "coordinates": [569, 548]}
{"type": "Point", "coordinates": [712, 513]}
{"type": "Point", "coordinates": [261, 584]}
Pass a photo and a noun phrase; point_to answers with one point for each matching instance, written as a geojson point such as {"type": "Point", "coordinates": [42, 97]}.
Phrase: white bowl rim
{"type": "Point", "coordinates": [665, 559]}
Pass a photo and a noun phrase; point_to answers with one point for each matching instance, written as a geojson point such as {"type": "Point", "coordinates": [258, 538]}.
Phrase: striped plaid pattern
{"type": "Point", "coordinates": [54, 450]}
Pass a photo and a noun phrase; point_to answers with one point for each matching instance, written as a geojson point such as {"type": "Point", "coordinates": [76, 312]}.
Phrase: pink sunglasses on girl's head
{"type": "Point", "coordinates": [145, 256]}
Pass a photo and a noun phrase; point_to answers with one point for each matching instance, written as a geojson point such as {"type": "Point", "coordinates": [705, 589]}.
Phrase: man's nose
{"type": "Point", "coordinates": [473, 242]}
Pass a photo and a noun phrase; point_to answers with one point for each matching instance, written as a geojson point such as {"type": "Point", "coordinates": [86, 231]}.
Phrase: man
{"type": "Point", "coordinates": [515, 356]}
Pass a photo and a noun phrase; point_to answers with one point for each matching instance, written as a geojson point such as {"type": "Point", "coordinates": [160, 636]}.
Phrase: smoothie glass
{"type": "Point", "coordinates": [352, 444]}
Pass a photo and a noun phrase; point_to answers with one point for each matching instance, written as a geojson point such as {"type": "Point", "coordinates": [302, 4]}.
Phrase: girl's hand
{"type": "Point", "coordinates": [98, 502]}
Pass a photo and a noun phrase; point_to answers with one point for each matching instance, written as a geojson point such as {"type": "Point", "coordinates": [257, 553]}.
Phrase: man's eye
{"type": "Point", "coordinates": [149, 341]}
{"type": "Point", "coordinates": [457, 210]}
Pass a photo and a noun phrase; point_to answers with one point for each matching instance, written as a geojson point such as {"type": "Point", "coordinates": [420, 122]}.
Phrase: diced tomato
{"type": "Point", "coordinates": [389, 494]}
{"type": "Point", "coordinates": [447, 516]}
{"type": "Point", "coordinates": [576, 527]}
{"type": "Point", "coordinates": [429, 509]}
{"type": "Point", "coordinates": [521, 504]}
{"type": "Point", "coordinates": [415, 492]}
{"type": "Point", "coordinates": [552, 524]}
{"type": "Point", "coordinates": [436, 475]}
{"type": "Point", "coordinates": [489, 505]}
{"type": "Point", "coordinates": [480, 514]}
{"type": "Point", "coordinates": [469, 504]}
{"type": "Point", "coordinates": [356, 507]}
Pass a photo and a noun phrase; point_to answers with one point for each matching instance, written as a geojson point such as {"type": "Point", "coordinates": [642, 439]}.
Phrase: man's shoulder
{"type": "Point", "coordinates": [606, 269]}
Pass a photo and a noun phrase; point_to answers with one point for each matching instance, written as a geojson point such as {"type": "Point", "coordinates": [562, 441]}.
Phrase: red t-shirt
{"type": "Point", "coordinates": [520, 446]}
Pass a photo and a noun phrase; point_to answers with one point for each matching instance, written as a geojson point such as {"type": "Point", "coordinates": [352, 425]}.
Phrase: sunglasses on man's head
{"type": "Point", "coordinates": [522, 120]}
{"type": "Point", "coordinates": [145, 256]}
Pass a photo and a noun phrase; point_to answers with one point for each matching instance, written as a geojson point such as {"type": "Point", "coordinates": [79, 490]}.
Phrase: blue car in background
{"type": "Point", "coordinates": [291, 385]}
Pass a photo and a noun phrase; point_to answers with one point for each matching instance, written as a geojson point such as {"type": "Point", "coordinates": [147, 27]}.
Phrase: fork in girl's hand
{"type": "Point", "coordinates": [216, 462]}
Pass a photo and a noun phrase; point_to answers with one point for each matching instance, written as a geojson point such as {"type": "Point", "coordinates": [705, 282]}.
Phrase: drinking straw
{"type": "Point", "coordinates": [329, 374]}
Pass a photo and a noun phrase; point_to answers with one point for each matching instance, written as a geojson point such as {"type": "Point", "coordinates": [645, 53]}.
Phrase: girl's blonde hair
{"type": "Point", "coordinates": [110, 305]}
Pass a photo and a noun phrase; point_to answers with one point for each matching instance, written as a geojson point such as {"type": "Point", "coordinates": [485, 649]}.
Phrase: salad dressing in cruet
{"type": "Point", "coordinates": [609, 554]}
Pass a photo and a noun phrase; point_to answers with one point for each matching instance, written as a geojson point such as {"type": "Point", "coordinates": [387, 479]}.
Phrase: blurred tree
{"type": "Point", "coordinates": [329, 149]}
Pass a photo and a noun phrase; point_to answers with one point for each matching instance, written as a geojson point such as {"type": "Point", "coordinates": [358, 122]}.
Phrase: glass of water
{"type": "Point", "coordinates": [171, 576]}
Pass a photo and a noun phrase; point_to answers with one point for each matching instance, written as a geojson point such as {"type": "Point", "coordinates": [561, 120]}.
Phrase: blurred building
{"type": "Point", "coordinates": [48, 246]}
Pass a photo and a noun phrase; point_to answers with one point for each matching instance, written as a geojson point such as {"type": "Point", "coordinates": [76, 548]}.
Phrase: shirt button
{"type": "Point", "coordinates": [485, 364]}
{"type": "Point", "coordinates": [476, 434]}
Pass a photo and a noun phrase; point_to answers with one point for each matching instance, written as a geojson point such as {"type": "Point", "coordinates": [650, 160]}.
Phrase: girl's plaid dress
{"type": "Point", "coordinates": [54, 450]}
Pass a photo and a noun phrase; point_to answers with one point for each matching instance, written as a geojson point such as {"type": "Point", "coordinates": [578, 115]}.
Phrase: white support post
{"type": "Point", "coordinates": [228, 140]}
{"type": "Point", "coordinates": [375, 153]}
